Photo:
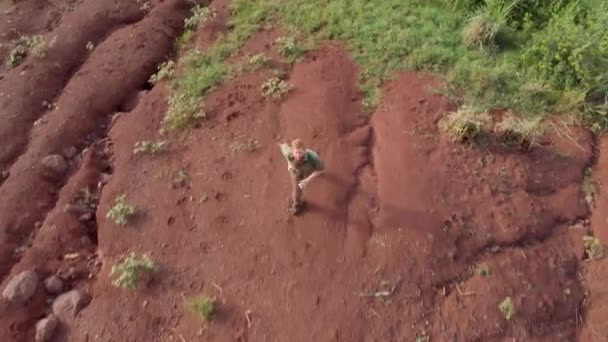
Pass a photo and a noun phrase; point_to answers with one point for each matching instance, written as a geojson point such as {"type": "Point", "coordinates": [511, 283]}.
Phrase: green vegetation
{"type": "Point", "coordinates": [507, 308]}
{"type": "Point", "coordinates": [203, 306]}
{"type": "Point", "coordinates": [524, 131]}
{"type": "Point", "coordinates": [483, 271]}
{"type": "Point", "coordinates": [166, 70]}
{"type": "Point", "coordinates": [465, 124]}
{"type": "Point", "coordinates": [274, 88]}
{"type": "Point", "coordinates": [593, 247]}
{"type": "Point", "coordinates": [589, 187]}
{"type": "Point", "coordinates": [121, 211]}
{"type": "Point", "coordinates": [30, 45]}
{"type": "Point", "coordinates": [422, 337]}
{"type": "Point", "coordinates": [203, 71]}
{"type": "Point", "coordinates": [289, 48]}
{"type": "Point", "coordinates": [150, 146]}
{"type": "Point", "coordinates": [131, 269]}
{"type": "Point", "coordinates": [534, 57]}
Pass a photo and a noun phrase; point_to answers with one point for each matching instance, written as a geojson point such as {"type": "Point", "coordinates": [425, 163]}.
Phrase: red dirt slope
{"type": "Point", "coordinates": [391, 244]}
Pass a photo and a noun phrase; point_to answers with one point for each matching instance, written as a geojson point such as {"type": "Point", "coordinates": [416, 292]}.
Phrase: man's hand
{"type": "Point", "coordinates": [303, 183]}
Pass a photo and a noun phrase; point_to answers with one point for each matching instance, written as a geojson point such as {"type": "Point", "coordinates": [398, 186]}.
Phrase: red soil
{"type": "Point", "coordinates": [400, 208]}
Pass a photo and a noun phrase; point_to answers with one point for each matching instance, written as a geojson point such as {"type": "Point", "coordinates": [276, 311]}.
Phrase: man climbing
{"type": "Point", "coordinates": [304, 165]}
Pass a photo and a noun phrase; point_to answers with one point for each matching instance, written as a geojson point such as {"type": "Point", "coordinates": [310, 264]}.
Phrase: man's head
{"type": "Point", "coordinates": [298, 150]}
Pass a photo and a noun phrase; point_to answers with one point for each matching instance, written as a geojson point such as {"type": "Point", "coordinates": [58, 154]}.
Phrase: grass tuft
{"type": "Point", "coordinates": [152, 147]}
{"type": "Point", "coordinates": [203, 306]}
{"type": "Point", "coordinates": [466, 124]}
{"type": "Point", "coordinates": [524, 131]}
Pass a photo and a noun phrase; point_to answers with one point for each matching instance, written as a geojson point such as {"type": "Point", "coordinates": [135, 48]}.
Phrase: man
{"type": "Point", "coordinates": [304, 165]}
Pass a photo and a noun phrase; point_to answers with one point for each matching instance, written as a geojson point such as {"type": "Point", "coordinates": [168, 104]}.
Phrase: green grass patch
{"type": "Point", "coordinates": [203, 306]}
{"type": "Point", "coordinates": [204, 71]}
{"type": "Point", "coordinates": [530, 56]}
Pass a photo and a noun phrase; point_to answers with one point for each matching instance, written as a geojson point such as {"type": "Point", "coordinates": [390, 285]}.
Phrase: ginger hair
{"type": "Point", "coordinates": [297, 144]}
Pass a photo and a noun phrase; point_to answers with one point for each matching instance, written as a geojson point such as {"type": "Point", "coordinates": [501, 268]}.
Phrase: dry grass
{"type": "Point", "coordinates": [465, 124]}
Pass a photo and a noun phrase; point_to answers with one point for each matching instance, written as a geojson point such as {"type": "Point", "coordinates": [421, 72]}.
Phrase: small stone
{"type": "Point", "coordinates": [21, 287]}
{"type": "Point", "coordinates": [53, 284]}
{"type": "Point", "coordinates": [45, 328]}
{"type": "Point", "coordinates": [55, 165]}
{"type": "Point", "coordinates": [78, 209]}
{"type": "Point", "coordinates": [85, 217]}
{"type": "Point", "coordinates": [4, 175]}
{"type": "Point", "coordinates": [68, 305]}
{"type": "Point", "coordinates": [70, 152]}
{"type": "Point", "coordinates": [38, 225]}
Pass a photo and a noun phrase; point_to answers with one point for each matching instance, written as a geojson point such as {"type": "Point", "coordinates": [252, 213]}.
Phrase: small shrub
{"type": "Point", "coordinates": [483, 271]}
{"type": "Point", "coordinates": [166, 70]}
{"type": "Point", "coordinates": [150, 147]}
{"type": "Point", "coordinates": [258, 60]}
{"type": "Point", "coordinates": [203, 306]}
{"type": "Point", "coordinates": [131, 269]}
{"type": "Point", "coordinates": [34, 45]}
{"type": "Point", "coordinates": [274, 88]}
{"type": "Point", "coordinates": [524, 131]}
{"type": "Point", "coordinates": [465, 124]}
{"type": "Point", "coordinates": [593, 247]}
{"type": "Point", "coordinates": [507, 308]}
{"type": "Point", "coordinates": [200, 14]}
{"type": "Point", "coordinates": [288, 48]}
{"type": "Point", "coordinates": [121, 212]}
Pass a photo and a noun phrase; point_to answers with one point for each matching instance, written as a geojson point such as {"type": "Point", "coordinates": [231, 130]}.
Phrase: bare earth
{"type": "Point", "coordinates": [401, 208]}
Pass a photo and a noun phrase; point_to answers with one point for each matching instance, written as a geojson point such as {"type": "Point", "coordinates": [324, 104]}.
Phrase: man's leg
{"type": "Point", "coordinates": [296, 193]}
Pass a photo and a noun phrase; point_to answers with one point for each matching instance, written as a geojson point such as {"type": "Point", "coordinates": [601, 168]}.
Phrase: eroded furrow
{"type": "Point", "coordinates": [95, 92]}
{"type": "Point", "coordinates": [30, 90]}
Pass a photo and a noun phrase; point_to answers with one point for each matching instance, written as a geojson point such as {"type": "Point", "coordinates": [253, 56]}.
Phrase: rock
{"type": "Point", "coordinates": [45, 328]}
{"type": "Point", "coordinates": [4, 175]}
{"type": "Point", "coordinates": [21, 287]}
{"type": "Point", "coordinates": [53, 284]}
{"type": "Point", "coordinates": [67, 305]}
{"type": "Point", "coordinates": [85, 217]}
{"type": "Point", "coordinates": [78, 209]}
{"type": "Point", "coordinates": [70, 152]}
{"type": "Point", "coordinates": [55, 166]}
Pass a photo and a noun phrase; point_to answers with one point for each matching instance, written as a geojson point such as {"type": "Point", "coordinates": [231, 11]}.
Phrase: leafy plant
{"type": "Point", "coordinates": [288, 48]}
{"type": "Point", "coordinates": [507, 308]}
{"type": "Point", "coordinates": [200, 14]}
{"type": "Point", "coordinates": [150, 146]}
{"type": "Point", "coordinates": [465, 124]}
{"type": "Point", "coordinates": [593, 247]}
{"type": "Point", "coordinates": [131, 269]}
{"type": "Point", "coordinates": [274, 88]}
{"type": "Point", "coordinates": [34, 45]}
{"type": "Point", "coordinates": [203, 306]}
{"type": "Point", "coordinates": [121, 211]}
{"type": "Point", "coordinates": [166, 70]}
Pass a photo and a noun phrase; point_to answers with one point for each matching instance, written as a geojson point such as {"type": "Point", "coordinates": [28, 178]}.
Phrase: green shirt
{"type": "Point", "coordinates": [311, 163]}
